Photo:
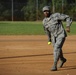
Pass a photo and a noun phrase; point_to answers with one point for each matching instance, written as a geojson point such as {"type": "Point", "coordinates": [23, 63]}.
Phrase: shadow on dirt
{"type": "Point", "coordinates": [68, 68]}
{"type": "Point", "coordinates": [32, 55]}
{"type": "Point", "coordinates": [26, 56]}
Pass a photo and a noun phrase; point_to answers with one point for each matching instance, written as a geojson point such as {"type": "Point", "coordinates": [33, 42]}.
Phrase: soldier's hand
{"type": "Point", "coordinates": [68, 29]}
{"type": "Point", "coordinates": [49, 43]}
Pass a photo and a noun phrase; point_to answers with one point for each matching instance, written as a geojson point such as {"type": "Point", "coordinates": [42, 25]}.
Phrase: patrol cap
{"type": "Point", "coordinates": [46, 8]}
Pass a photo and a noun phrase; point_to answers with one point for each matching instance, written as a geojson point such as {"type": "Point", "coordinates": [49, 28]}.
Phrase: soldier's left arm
{"type": "Point", "coordinates": [68, 21]}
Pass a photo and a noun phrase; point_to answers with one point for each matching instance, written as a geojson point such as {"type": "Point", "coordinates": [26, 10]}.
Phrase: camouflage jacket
{"type": "Point", "coordinates": [53, 25]}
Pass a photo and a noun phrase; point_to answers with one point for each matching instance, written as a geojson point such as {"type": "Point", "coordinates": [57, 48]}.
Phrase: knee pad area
{"type": "Point", "coordinates": [57, 49]}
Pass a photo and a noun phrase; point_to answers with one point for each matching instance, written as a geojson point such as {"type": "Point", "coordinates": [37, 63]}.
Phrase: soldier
{"type": "Point", "coordinates": [56, 33]}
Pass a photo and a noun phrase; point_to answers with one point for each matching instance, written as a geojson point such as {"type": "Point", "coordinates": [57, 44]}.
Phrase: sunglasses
{"type": "Point", "coordinates": [46, 11]}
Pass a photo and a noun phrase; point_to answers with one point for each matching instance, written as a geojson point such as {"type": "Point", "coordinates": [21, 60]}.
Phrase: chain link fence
{"type": "Point", "coordinates": [31, 10]}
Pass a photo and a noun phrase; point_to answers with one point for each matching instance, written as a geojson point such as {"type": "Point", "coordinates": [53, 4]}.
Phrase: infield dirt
{"type": "Point", "coordinates": [31, 55]}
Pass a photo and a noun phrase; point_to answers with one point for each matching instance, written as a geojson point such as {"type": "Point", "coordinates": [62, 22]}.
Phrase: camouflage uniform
{"type": "Point", "coordinates": [56, 33]}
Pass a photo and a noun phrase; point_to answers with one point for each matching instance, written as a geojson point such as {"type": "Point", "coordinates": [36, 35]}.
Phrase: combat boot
{"type": "Point", "coordinates": [62, 63]}
{"type": "Point", "coordinates": [54, 68]}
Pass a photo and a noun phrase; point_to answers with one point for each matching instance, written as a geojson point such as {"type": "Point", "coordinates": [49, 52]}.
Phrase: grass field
{"type": "Point", "coordinates": [26, 28]}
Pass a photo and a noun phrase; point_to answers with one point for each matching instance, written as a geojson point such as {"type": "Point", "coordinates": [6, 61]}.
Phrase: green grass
{"type": "Point", "coordinates": [21, 28]}
{"type": "Point", "coordinates": [73, 28]}
{"type": "Point", "coordinates": [26, 28]}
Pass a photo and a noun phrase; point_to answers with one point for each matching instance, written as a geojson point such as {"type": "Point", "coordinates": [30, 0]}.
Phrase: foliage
{"type": "Point", "coordinates": [26, 10]}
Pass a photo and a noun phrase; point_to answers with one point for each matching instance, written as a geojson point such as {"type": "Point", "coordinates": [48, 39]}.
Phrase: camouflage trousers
{"type": "Point", "coordinates": [57, 44]}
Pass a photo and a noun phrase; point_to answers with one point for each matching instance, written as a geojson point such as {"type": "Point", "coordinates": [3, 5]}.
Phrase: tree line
{"type": "Point", "coordinates": [31, 10]}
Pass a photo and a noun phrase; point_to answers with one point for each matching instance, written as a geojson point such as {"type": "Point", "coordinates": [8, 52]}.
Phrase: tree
{"type": "Point", "coordinates": [29, 10]}
{"type": "Point", "coordinates": [26, 9]}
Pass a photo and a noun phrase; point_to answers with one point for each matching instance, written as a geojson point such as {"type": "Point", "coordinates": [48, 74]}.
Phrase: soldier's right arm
{"type": "Point", "coordinates": [48, 33]}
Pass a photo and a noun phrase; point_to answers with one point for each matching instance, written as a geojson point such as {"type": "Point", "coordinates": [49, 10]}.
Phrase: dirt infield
{"type": "Point", "coordinates": [30, 55]}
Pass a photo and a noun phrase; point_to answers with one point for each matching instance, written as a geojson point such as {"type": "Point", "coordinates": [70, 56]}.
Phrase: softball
{"type": "Point", "coordinates": [49, 43]}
